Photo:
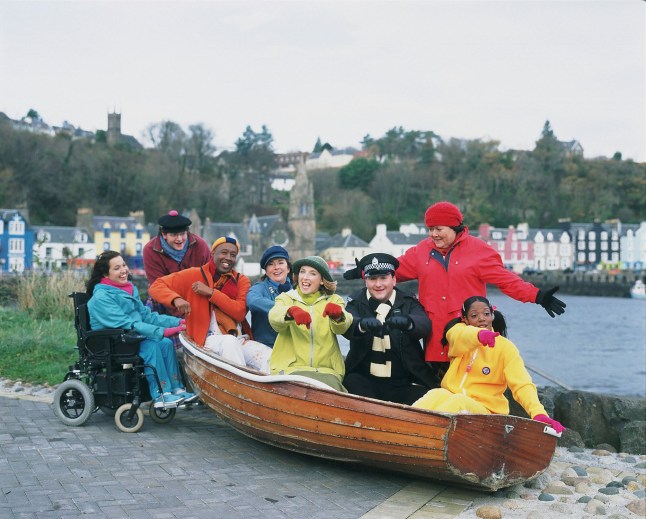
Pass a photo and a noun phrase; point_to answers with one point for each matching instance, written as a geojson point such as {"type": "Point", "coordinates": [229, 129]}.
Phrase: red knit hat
{"type": "Point", "coordinates": [443, 213]}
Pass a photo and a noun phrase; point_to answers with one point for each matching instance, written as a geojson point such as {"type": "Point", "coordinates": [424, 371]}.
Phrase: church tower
{"type": "Point", "coordinates": [114, 128]}
{"type": "Point", "coordinates": [302, 219]}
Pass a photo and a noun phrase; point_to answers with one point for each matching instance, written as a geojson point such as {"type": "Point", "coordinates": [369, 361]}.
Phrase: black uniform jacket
{"type": "Point", "coordinates": [406, 345]}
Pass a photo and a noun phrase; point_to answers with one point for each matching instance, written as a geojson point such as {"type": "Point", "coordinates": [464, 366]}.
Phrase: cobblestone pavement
{"type": "Point", "coordinates": [193, 467]}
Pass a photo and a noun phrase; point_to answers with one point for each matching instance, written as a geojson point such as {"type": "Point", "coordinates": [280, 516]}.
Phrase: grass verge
{"type": "Point", "coordinates": [38, 351]}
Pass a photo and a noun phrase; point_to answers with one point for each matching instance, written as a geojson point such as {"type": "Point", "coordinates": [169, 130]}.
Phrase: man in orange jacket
{"type": "Point", "coordinates": [213, 300]}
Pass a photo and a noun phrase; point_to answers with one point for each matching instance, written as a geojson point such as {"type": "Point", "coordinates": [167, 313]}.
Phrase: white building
{"type": "Point", "coordinates": [633, 248]}
{"type": "Point", "coordinates": [62, 248]}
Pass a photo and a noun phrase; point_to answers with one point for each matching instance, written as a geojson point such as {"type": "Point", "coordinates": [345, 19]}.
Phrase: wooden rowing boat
{"type": "Point", "coordinates": [299, 414]}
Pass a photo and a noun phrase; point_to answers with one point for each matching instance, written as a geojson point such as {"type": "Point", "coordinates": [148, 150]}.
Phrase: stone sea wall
{"type": "Point", "coordinates": [593, 419]}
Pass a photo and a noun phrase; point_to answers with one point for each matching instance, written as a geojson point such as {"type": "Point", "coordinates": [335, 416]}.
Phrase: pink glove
{"type": "Point", "coordinates": [168, 332]}
{"type": "Point", "coordinates": [300, 316]}
{"type": "Point", "coordinates": [487, 338]}
{"type": "Point", "coordinates": [333, 310]}
{"type": "Point", "coordinates": [549, 421]}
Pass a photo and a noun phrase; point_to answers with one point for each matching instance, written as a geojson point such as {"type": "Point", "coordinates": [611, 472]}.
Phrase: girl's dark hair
{"type": "Point", "coordinates": [100, 269]}
{"type": "Point", "coordinates": [499, 324]}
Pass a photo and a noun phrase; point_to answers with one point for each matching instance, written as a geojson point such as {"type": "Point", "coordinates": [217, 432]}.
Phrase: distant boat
{"type": "Point", "coordinates": [638, 290]}
{"type": "Point", "coordinates": [303, 415]}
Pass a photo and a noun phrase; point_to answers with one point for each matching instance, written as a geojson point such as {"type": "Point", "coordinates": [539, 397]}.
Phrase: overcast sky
{"type": "Point", "coordinates": [335, 69]}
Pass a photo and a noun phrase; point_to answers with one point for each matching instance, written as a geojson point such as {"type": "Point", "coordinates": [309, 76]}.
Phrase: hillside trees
{"type": "Point", "coordinates": [399, 175]}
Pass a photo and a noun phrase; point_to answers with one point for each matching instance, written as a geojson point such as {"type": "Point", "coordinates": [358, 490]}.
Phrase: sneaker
{"type": "Point", "coordinates": [188, 397]}
{"type": "Point", "coordinates": [168, 400]}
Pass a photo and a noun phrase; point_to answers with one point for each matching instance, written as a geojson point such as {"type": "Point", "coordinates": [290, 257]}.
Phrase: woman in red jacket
{"type": "Point", "coordinates": [451, 265]}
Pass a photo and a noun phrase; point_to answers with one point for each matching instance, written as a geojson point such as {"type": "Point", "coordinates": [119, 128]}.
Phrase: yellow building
{"type": "Point", "coordinates": [125, 234]}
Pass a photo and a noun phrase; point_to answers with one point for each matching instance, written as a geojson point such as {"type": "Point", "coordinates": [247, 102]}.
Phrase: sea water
{"type": "Point", "coordinates": [598, 345]}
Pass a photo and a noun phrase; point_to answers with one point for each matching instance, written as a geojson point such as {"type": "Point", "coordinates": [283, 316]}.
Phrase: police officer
{"type": "Point", "coordinates": [386, 357]}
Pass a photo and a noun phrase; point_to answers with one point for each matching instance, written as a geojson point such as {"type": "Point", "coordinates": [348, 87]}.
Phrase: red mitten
{"type": "Point", "coordinates": [487, 338]}
{"type": "Point", "coordinates": [168, 332]}
{"type": "Point", "coordinates": [300, 316]}
{"type": "Point", "coordinates": [333, 310]}
{"type": "Point", "coordinates": [549, 421]}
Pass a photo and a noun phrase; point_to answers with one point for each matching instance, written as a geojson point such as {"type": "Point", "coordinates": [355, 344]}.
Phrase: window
{"type": "Point", "coordinates": [138, 249]}
{"type": "Point", "coordinates": [604, 245]}
{"type": "Point", "coordinates": [16, 264]}
{"type": "Point", "coordinates": [604, 257]}
{"type": "Point", "coordinates": [604, 235]}
{"type": "Point", "coordinates": [514, 245]}
{"type": "Point", "coordinates": [501, 245]}
{"type": "Point", "coordinates": [122, 233]}
{"type": "Point", "coordinates": [48, 252]}
{"type": "Point", "coordinates": [523, 246]}
{"type": "Point", "coordinates": [106, 245]}
{"type": "Point", "coordinates": [139, 234]}
{"type": "Point", "coordinates": [16, 226]}
{"type": "Point", "coordinates": [122, 247]}
{"type": "Point", "coordinates": [106, 232]}
{"type": "Point", "coordinates": [16, 245]}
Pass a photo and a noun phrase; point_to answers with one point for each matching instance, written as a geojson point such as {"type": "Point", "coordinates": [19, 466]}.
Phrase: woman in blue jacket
{"type": "Point", "coordinates": [115, 303]}
{"type": "Point", "coordinates": [262, 295]}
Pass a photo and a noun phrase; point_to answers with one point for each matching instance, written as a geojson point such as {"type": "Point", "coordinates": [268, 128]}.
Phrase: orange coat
{"type": "Point", "coordinates": [179, 284]}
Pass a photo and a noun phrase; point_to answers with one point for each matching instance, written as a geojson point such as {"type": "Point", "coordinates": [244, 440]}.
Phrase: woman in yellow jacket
{"type": "Point", "coordinates": [483, 363]}
{"type": "Point", "coordinates": [308, 318]}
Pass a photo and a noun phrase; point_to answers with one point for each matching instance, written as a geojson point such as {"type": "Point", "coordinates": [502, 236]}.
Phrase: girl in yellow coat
{"type": "Point", "coordinates": [483, 364]}
{"type": "Point", "coordinates": [308, 319]}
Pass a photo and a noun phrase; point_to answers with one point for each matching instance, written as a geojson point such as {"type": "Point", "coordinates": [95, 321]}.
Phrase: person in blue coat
{"type": "Point", "coordinates": [115, 303]}
{"type": "Point", "coordinates": [261, 296]}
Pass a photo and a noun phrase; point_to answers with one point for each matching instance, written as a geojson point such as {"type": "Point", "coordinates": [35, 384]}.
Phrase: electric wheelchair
{"type": "Point", "coordinates": [109, 375]}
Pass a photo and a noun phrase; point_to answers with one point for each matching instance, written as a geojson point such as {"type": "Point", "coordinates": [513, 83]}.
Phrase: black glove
{"type": "Point", "coordinates": [372, 325]}
{"type": "Point", "coordinates": [400, 322]}
{"type": "Point", "coordinates": [552, 305]}
{"type": "Point", "coordinates": [354, 273]}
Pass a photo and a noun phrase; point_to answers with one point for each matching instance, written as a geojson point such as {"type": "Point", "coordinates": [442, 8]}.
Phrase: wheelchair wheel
{"type": "Point", "coordinates": [161, 415]}
{"type": "Point", "coordinates": [73, 402]}
{"type": "Point", "coordinates": [125, 425]}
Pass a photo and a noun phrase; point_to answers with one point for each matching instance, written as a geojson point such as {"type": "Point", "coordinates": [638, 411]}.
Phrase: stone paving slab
{"type": "Point", "coordinates": [194, 467]}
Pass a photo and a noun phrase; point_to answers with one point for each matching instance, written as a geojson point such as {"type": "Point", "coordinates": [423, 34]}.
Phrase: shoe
{"type": "Point", "coordinates": [167, 400]}
{"type": "Point", "coordinates": [188, 397]}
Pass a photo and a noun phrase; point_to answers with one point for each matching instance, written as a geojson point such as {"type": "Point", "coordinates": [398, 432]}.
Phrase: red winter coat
{"type": "Point", "coordinates": [470, 266]}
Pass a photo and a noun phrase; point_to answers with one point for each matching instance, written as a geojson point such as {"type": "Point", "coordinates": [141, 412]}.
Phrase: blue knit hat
{"type": "Point", "coordinates": [271, 253]}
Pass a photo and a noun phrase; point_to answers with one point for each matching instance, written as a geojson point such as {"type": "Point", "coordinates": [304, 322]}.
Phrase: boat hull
{"type": "Point", "coordinates": [483, 451]}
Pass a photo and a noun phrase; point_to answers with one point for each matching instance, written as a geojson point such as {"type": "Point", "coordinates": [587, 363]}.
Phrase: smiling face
{"type": "Point", "coordinates": [309, 280]}
{"type": "Point", "coordinates": [380, 287]}
{"type": "Point", "coordinates": [442, 236]}
{"type": "Point", "coordinates": [117, 270]}
{"type": "Point", "coordinates": [175, 239]}
{"type": "Point", "coordinates": [224, 257]}
{"type": "Point", "coordinates": [277, 270]}
{"type": "Point", "coordinates": [480, 315]}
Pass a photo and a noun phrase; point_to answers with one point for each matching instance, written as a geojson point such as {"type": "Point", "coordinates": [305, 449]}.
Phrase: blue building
{"type": "Point", "coordinates": [16, 242]}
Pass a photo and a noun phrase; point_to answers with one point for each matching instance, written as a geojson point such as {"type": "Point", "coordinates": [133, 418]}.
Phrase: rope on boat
{"type": "Point", "coordinates": [548, 377]}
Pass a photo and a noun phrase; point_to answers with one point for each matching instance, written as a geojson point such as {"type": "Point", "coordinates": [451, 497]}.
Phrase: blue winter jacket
{"type": "Point", "coordinates": [260, 299]}
{"type": "Point", "coordinates": [111, 307]}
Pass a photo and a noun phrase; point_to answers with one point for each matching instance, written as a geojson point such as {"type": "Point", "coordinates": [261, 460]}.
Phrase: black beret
{"type": "Point", "coordinates": [174, 222]}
